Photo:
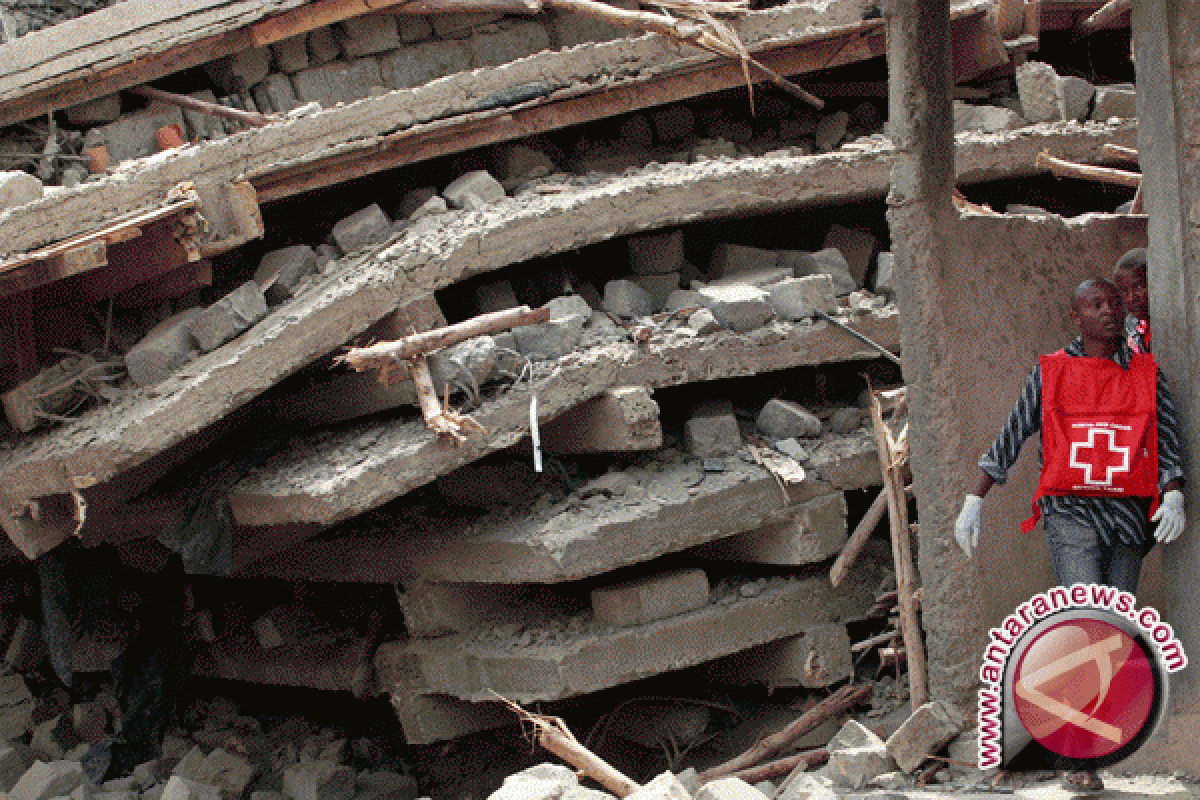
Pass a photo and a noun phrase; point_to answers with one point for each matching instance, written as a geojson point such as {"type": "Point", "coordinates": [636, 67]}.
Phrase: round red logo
{"type": "Point", "coordinates": [1084, 688]}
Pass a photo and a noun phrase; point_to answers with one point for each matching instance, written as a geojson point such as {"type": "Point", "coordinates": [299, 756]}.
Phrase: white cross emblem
{"type": "Point", "coordinates": [1111, 448]}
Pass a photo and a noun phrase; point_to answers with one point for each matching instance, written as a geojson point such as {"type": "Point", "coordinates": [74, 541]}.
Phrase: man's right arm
{"type": "Point", "coordinates": [1024, 421]}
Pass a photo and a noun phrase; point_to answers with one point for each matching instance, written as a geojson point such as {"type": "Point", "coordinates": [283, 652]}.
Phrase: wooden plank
{"type": "Point", "coordinates": [844, 46]}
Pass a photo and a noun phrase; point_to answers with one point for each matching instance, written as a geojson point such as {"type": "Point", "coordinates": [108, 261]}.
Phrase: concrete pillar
{"type": "Point", "coordinates": [924, 225]}
{"type": "Point", "coordinates": [1167, 54]}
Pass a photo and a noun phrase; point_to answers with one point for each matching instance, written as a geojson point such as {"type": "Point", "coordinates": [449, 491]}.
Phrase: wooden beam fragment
{"type": "Point", "coordinates": [1108, 16]}
{"type": "Point", "coordinates": [1116, 151]}
{"type": "Point", "coordinates": [1068, 169]}
{"type": "Point", "coordinates": [193, 104]}
{"type": "Point", "coordinates": [389, 354]}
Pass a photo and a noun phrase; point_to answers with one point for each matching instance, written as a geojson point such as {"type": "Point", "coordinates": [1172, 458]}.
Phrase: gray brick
{"type": "Point", "coordinates": [323, 47]}
{"type": "Point", "coordinates": [801, 298]}
{"type": "Point", "coordinates": [338, 83]}
{"type": "Point", "coordinates": [460, 26]}
{"type": "Point", "coordinates": [419, 64]}
{"type": "Point", "coordinates": [473, 191]}
{"type": "Point", "coordinates": [318, 781]}
{"type": "Point", "coordinates": [1037, 86]}
{"type": "Point", "coordinates": [240, 71]}
{"type": "Point", "coordinates": [783, 419]}
{"type": "Point", "coordinates": [627, 299]}
{"type": "Point", "coordinates": [1074, 98]}
{"type": "Point", "coordinates": [368, 35]}
{"type": "Point", "coordinates": [361, 229]}
{"type": "Point", "coordinates": [229, 317]}
{"type": "Point", "coordinates": [280, 271]}
{"type": "Point", "coordinates": [501, 47]}
{"type": "Point", "coordinates": [100, 111]}
{"type": "Point", "coordinates": [275, 94]}
{"type": "Point", "coordinates": [133, 135]}
{"type": "Point", "coordinates": [163, 350]}
{"type": "Point", "coordinates": [291, 55]}
{"type": "Point", "coordinates": [738, 307]}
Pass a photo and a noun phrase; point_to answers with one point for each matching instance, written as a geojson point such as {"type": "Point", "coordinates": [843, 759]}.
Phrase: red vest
{"type": "Point", "coordinates": [1099, 428]}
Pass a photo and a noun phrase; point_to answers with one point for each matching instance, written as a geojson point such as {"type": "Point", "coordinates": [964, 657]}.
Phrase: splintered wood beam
{"type": "Point", "coordinates": [1116, 151]}
{"type": "Point", "coordinates": [1108, 16]}
{"type": "Point", "coordinates": [1069, 169]}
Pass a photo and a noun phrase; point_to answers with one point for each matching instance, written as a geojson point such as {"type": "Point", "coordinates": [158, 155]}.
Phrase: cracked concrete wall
{"type": "Point", "coordinates": [1167, 49]}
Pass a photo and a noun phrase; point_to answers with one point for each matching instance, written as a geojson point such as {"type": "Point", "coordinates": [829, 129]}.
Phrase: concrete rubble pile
{"type": "Point", "coordinates": [649, 484]}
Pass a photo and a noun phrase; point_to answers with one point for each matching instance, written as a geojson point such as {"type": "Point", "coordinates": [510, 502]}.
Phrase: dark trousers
{"type": "Point", "coordinates": [1081, 557]}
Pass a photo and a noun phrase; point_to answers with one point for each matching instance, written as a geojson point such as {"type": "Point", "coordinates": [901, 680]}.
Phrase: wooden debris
{"type": "Point", "coordinates": [204, 107]}
{"type": "Point", "coordinates": [1069, 169]}
{"type": "Point", "coordinates": [843, 699]}
{"type": "Point", "coordinates": [701, 30]}
{"type": "Point", "coordinates": [554, 735]}
{"type": "Point", "coordinates": [56, 391]}
{"type": "Point", "coordinates": [1109, 16]}
{"type": "Point", "coordinates": [889, 466]}
{"type": "Point", "coordinates": [385, 355]}
{"type": "Point", "coordinates": [438, 416]}
{"type": "Point", "coordinates": [874, 641]}
{"type": "Point", "coordinates": [1119, 152]}
{"type": "Point", "coordinates": [772, 770]}
{"type": "Point", "coordinates": [862, 534]}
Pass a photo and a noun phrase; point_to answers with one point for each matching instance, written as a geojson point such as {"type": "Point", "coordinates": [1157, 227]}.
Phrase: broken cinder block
{"type": "Point", "coordinates": [473, 191]}
{"type": "Point", "coordinates": [163, 350]}
{"type": "Point", "coordinates": [644, 600]}
{"type": "Point", "coordinates": [713, 430]}
{"type": "Point", "coordinates": [1037, 86]}
{"type": "Point", "coordinates": [361, 229]}
{"type": "Point", "coordinates": [783, 419]}
{"type": "Point", "coordinates": [924, 733]}
{"type": "Point", "coordinates": [321, 780]}
{"type": "Point", "coordinates": [281, 271]}
{"type": "Point", "coordinates": [738, 307]}
{"type": "Point", "coordinates": [801, 298]}
{"type": "Point", "coordinates": [626, 299]}
{"type": "Point", "coordinates": [856, 755]}
{"type": "Point", "coordinates": [730, 788]}
{"type": "Point", "coordinates": [45, 780]}
{"type": "Point", "coordinates": [229, 317]}
{"type": "Point", "coordinates": [664, 787]}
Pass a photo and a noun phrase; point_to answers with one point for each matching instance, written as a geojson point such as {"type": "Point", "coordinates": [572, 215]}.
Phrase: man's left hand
{"type": "Point", "coordinates": [1170, 517]}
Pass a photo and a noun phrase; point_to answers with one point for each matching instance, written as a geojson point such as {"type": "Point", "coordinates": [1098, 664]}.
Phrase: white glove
{"type": "Point", "coordinates": [1170, 517]}
{"type": "Point", "coordinates": [966, 529]}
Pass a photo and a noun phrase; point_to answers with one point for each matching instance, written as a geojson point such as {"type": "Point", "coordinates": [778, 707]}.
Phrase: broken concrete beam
{"type": "Point", "coordinates": [428, 718]}
{"type": "Point", "coordinates": [620, 420]}
{"type": "Point", "coordinates": [361, 229]}
{"type": "Point", "coordinates": [729, 789]}
{"type": "Point", "coordinates": [229, 317]}
{"type": "Point", "coordinates": [471, 668]}
{"type": "Point", "coordinates": [473, 191]}
{"type": "Point", "coordinates": [783, 419]}
{"type": "Point", "coordinates": [310, 664]}
{"type": "Point", "coordinates": [1037, 86]}
{"type": "Point", "coordinates": [815, 659]}
{"type": "Point", "coordinates": [656, 253]}
{"type": "Point", "coordinates": [321, 780]}
{"type": "Point", "coordinates": [814, 533]}
{"type": "Point", "coordinates": [656, 515]}
{"type": "Point", "coordinates": [856, 246]}
{"type": "Point", "coordinates": [644, 600]}
{"type": "Point", "coordinates": [359, 291]}
{"type": "Point", "coordinates": [712, 430]}
{"type": "Point", "coordinates": [441, 609]}
{"type": "Point", "coordinates": [340, 474]}
{"type": "Point", "coordinates": [280, 271]}
{"type": "Point", "coordinates": [924, 733]}
{"type": "Point", "coordinates": [18, 188]}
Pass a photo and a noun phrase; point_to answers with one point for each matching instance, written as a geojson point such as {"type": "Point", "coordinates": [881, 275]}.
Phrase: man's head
{"type": "Point", "coordinates": [1130, 279]}
{"type": "Point", "coordinates": [1097, 309]}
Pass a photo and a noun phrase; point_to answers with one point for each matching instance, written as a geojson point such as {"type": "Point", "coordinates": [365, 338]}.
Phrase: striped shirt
{"type": "Point", "coordinates": [1124, 520]}
{"type": "Point", "coordinates": [1135, 337]}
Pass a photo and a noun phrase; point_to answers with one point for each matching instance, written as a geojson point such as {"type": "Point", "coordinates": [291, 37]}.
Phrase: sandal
{"type": "Point", "coordinates": [1084, 781]}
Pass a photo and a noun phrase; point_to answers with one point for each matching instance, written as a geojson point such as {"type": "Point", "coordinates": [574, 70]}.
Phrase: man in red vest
{"type": "Point", "coordinates": [1130, 278]}
{"type": "Point", "coordinates": [1111, 449]}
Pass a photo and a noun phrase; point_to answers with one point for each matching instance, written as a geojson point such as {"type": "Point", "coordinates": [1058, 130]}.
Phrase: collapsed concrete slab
{"type": "Point", "coordinates": [329, 477]}
{"type": "Point", "coordinates": [566, 663]}
{"type": "Point", "coordinates": [440, 251]}
{"type": "Point", "coordinates": [676, 506]}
